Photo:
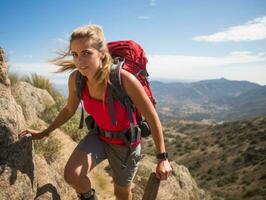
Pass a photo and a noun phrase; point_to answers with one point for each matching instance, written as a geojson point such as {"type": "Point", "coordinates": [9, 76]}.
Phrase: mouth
{"type": "Point", "coordinates": [83, 67]}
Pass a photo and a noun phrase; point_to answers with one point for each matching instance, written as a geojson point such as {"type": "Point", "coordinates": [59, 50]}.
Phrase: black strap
{"type": "Point", "coordinates": [79, 89]}
{"type": "Point", "coordinates": [115, 87]}
{"type": "Point", "coordinates": [111, 105]}
{"type": "Point", "coordinates": [120, 134]}
{"type": "Point", "coordinates": [81, 122]}
{"type": "Point", "coordinates": [116, 90]}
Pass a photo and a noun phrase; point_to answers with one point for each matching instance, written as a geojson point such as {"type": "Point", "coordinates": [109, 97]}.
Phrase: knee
{"type": "Point", "coordinates": [124, 191]}
{"type": "Point", "coordinates": [71, 176]}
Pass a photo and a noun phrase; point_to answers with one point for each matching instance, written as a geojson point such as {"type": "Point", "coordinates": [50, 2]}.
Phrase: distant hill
{"type": "Point", "coordinates": [248, 104]}
{"type": "Point", "coordinates": [218, 99]}
{"type": "Point", "coordinates": [208, 90]}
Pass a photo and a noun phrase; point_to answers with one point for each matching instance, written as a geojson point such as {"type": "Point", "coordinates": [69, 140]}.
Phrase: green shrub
{"type": "Point", "coordinates": [252, 191]}
{"type": "Point", "coordinates": [48, 148]}
{"type": "Point", "coordinates": [42, 83]}
{"type": "Point", "coordinates": [71, 128]}
{"type": "Point", "coordinates": [13, 77]}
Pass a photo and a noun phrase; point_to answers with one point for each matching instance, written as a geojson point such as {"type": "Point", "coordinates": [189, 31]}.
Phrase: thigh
{"type": "Point", "coordinates": [116, 156]}
{"type": "Point", "coordinates": [79, 163]}
{"type": "Point", "coordinates": [88, 153]}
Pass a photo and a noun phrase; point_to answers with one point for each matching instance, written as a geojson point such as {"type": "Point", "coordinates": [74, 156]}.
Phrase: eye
{"type": "Point", "coordinates": [73, 54]}
{"type": "Point", "coordinates": [86, 52]}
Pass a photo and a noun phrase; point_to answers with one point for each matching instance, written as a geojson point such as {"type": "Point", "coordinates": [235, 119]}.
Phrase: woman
{"type": "Point", "coordinates": [92, 59]}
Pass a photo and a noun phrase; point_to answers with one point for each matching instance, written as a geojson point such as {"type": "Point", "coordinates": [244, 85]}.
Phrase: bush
{"type": "Point", "coordinates": [13, 77]}
{"type": "Point", "coordinates": [71, 128]}
{"type": "Point", "coordinates": [253, 191]}
{"type": "Point", "coordinates": [48, 148]}
{"type": "Point", "coordinates": [42, 83]}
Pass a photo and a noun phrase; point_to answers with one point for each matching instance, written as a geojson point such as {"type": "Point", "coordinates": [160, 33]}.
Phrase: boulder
{"type": "Point", "coordinates": [32, 100]}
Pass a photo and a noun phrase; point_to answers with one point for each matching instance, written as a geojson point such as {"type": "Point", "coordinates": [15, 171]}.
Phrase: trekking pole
{"type": "Point", "coordinates": [151, 188]}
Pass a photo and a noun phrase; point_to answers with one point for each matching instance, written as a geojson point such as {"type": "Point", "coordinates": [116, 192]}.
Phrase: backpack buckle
{"type": "Point", "coordinates": [108, 134]}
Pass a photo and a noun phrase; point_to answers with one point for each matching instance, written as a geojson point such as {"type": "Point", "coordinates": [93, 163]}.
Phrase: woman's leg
{"type": "Point", "coordinates": [123, 192]}
{"type": "Point", "coordinates": [76, 170]}
{"type": "Point", "coordinates": [85, 157]}
{"type": "Point", "coordinates": [123, 176]}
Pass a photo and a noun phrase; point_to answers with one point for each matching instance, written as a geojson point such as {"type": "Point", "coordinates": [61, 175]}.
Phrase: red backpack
{"type": "Point", "coordinates": [130, 56]}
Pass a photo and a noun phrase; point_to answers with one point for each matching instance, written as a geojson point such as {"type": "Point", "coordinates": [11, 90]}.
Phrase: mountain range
{"type": "Point", "coordinates": [217, 99]}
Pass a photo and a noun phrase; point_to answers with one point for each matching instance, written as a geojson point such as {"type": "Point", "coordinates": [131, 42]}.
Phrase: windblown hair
{"type": "Point", "coordinates": [95, 34]}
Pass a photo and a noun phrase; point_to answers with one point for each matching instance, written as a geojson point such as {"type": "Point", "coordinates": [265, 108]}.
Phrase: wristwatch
{"type": "Point", "coordinates": [162, 156]}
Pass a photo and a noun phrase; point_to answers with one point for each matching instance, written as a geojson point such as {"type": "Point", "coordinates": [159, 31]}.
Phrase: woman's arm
{"type": "Point", "coordinates": [70, 108]}
{"type": "Point", "coordinates": [64, 115]}
{"type": "Point", "coordinates": [136, 92]}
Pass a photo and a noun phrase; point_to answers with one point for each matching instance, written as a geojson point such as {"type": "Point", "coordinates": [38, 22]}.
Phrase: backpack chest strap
{"type": "Point", "coordinates": [127, 136]}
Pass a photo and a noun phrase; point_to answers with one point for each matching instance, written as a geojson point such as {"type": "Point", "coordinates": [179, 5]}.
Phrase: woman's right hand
{"type": "Point", "coordinates": [36, 135]}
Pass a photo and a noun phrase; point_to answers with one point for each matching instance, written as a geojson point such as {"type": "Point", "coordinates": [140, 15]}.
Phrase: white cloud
{"type": "Point", "coordinates": [236, 66]}
{"type": "Point", "coordinates": [250, 31]}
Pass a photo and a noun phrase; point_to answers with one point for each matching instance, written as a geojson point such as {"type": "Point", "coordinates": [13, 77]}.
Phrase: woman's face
{"type": "Point", "coordinates": [86, 58]}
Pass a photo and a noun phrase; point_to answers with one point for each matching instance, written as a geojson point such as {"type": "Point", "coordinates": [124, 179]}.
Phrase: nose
{"type": "Point", "coordinates": [81, 61]}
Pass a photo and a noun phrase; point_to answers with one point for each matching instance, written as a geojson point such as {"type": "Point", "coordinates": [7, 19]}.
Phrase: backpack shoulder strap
{"type": "Point", "coordinates": [117, 91]}
{"type": "Point", "coordinates": [114, 88]}
{"type": "Point", "coordinates": [79, 89]}
{"type": "Point", "coordinates": [115, 78]}
{"type": "Point", "coordinates": [79, 84]}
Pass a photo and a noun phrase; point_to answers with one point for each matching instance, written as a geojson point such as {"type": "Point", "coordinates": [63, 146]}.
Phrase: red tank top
{"type": "Point", "coordinates": [100, 112]}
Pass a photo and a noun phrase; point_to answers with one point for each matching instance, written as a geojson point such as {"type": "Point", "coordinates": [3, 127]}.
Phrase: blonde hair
{"type": "Point", "coordinates": [95, 34]}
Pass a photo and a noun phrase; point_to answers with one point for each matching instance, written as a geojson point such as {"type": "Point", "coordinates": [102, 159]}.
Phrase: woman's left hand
{"type": "Point", "coordinates": [163, 170]}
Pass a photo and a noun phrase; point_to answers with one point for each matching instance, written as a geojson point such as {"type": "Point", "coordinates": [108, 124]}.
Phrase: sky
{"type": "Point", "coordinates": [185, 40]}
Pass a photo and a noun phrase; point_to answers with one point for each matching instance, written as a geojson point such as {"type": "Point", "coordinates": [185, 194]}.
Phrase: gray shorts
{"type": "Point", "coordinates": [116, 155]}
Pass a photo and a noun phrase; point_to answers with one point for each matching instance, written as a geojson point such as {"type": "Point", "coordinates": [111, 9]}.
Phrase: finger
{"type": "Point", "coordinates": [158, 175]}
{"type": "Point", "coordinates": [162, 176]}
{"type": "Point", "coordinates": [22, 132]}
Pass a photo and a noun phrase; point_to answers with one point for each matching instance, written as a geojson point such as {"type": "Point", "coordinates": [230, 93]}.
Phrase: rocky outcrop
{"type": "Point", "coordinates": [179, 186]}
{"type": "Point", "coordinates": [23, 173]}
{"type": "Point", "coordinates": [17, 174]}
{"type": "Point", "coordinates": [32, 100]}
{"type": "Point", "coordinates": [16, 156]}
{"type": "Point", "coordinates": [3, 69]}
{"type": "Point", "coordinates": [10, 113]}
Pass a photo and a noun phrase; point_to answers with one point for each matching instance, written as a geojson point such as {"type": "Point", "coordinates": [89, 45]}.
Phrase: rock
{"type": "Point", "coordinates": [3, 69]}
{"type": "Point", "coordinates": [17, 175]}
{"type": "Point", "coordinates": [32, 100]}
{"type": "Point", "coordinates": [179, 186]}
{"type": "Point", "coordinates": [10, 112]}
{"type": "Point", "coordinates": [51, 184]}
